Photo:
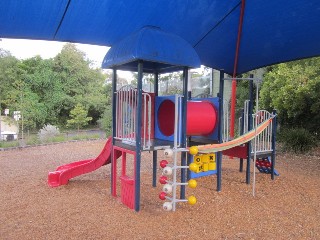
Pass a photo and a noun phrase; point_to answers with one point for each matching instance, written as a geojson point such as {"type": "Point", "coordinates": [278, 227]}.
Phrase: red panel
{"type": "Point", "coordinates": [127, 191]}
{"type": "Point", "coordinates": [238, 151]}
{"type": "Point", "coordinates": [127, 182]}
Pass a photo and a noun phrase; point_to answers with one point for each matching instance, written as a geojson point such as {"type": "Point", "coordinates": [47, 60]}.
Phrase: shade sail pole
{"type": "Point", "coordinates": [235, 67]}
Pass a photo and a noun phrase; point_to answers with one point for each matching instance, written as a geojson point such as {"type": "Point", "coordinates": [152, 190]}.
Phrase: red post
{"type": "Point", "coordinates": [235, 66]}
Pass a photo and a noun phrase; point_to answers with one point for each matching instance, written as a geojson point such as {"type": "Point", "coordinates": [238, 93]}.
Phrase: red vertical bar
{"type": "Point", "coordinates": [235, 66]}
{"type": "Point", "coordinates": [124, 163]}
{"type": "Point", "coordinates": [114, 173]}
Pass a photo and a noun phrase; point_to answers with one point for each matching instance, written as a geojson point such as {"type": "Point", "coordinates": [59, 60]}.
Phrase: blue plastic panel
{"type": "Point", "coordinates": [158, 134]}
{"type": "Point", "coordinates": [202, 174]}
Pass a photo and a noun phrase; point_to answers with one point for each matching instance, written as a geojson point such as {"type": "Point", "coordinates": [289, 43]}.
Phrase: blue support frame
{"type": "Point", "coordinates": [249, 128]}
{"type": "Point", "coordinates": [138, 139]}
{"type": "Point", "coordinates": [114, 104]}
{"type": "Point", "coordinates": [184, 132]}
{"type": "Point", "coordinates": [155, 153]}
{"type": "Point", "coordinates": [241, 133]}
{"type": "Point", "coordinates": [219, 154]}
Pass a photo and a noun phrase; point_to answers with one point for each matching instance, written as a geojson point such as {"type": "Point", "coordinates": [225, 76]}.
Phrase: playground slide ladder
{"type": "Point", "coordinates": [264, 165]}
{"type": "Point", "coordinates": [171, 170]}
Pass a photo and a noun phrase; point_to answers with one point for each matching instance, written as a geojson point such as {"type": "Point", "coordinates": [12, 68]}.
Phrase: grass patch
{"type": "Point", "coordinates": [85, 137]}
{"type": "Point", "coordinates": [33, 139]}
{"type": "Point", "coordinates": [5, 144]}
{"type": "Point", "coordinates": [58, 138]}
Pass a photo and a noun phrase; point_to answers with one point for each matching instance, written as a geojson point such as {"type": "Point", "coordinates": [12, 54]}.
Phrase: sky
{"type": "Point", "coordinates": [23, 49]}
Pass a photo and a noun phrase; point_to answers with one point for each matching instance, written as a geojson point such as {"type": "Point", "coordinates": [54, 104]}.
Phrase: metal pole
{"type": "Point", "coordinates": [22, 110]}
{"type": "Point", "coordinates": [175, 146]}
{"type": "Point", "coordinates": [138, 137]}
{"type": "Point", "coordinates": [255, 141]}
{"type": "Point", "coordinates": [184, 131]}
{"type": "Point", "coordinates": [273, 143]}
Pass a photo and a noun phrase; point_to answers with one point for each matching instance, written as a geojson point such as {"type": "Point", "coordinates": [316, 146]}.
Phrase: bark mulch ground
{"type": "Point", "coordinates": [286, 208]}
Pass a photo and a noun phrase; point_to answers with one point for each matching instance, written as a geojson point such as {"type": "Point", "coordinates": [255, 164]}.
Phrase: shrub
{"type": "Point", "coordinates": [48, 132]}
{"type": "Point", "coordinates": [298, 140]}
{"type": "Point", "coordinates": [106, 121]}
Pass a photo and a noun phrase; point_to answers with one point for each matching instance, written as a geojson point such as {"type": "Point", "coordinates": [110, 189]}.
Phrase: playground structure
{"type": "Point", "coordinates": [196, 129]}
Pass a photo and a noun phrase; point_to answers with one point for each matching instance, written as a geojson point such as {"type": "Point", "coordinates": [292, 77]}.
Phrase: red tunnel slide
{"type": "Point", "coordinates": [65, 172]}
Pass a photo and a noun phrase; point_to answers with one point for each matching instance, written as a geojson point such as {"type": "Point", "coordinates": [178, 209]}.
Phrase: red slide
{"type": "Point", "coordinates": [65, 172]}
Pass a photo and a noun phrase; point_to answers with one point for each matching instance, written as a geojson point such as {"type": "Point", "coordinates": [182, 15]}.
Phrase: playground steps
{"type": "Point", "coordinates": [264, 165]}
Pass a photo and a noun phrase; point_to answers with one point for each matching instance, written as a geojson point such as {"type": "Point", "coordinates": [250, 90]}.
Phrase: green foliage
{"type": "Point", "coordinates": [106, 121]}
{"type": "Point", "coordinates": [79, 117]}
{"type": "Point", "coordinates": [5, 144]}
{"type": "Point", "coordinates": [85, 137]}
{"type": "Point", "coordinates": [298, 140]}
{"type": "Point", "coordinates": [45, 91]}
{"type": "Point", "coordinates": [170, 84]}
{"type": "Point", "coordinates": [294, 90]}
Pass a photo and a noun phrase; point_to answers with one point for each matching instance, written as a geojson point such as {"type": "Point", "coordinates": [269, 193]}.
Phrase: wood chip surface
{"type": "Point", "coordinates": [286, 208]}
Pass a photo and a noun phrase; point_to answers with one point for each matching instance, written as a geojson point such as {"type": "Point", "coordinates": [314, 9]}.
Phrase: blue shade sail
{"type": "Point", "coordinates": [273, 31]}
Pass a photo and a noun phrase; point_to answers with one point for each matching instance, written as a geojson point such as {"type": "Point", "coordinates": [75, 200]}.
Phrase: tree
{"type": "Point", "coordinates": [79, 117]}
{"type": "Point", "coordinates": [80, 83]}
{"type": "Point", "coordinates": [106, 120]}
{"type": "Point", "coordinates": [45, 90]}
{"type": "Point", "coordinates": [294, 90]}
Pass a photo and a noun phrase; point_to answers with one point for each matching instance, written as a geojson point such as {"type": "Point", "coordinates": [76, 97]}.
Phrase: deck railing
{"type": "Point", "coordinates": [126, 109]}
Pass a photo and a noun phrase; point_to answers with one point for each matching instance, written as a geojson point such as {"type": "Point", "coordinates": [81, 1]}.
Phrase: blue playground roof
{"type": "Point", "coordinates": [161, 52]}
{"type": "Point", "coordinates": [273, 31]}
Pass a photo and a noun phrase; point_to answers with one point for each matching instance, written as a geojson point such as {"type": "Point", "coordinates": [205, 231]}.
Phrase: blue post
{"type": "Point", "coordinates": [220, 123]}
{"type": "Point", "coordinates": [241, 133]}
{"type": "Point", "coordinates": [154, 153]}
{"type": "Point", "coordinates": [114, 120]}
{"type": "Point", "coordinates": [138, 138]}
{"type": "Point", "coordinates": [189, 161]}
{"type": "Point", "coordinates": [249, 128]}
{"type": "Point", "coordinates": [273, 144]}
{"type": "Point", "coordinates": [189, 156]}
{"type": "Point", "coordinates": [184, 131]}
